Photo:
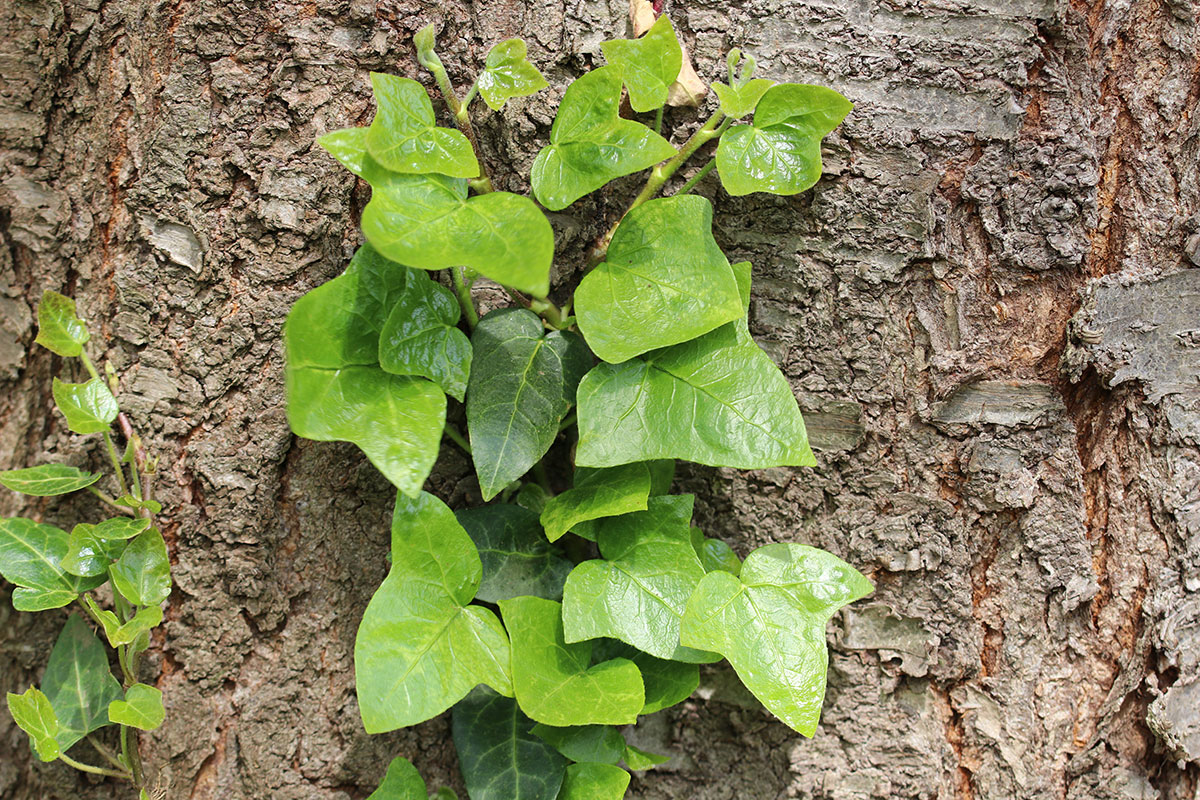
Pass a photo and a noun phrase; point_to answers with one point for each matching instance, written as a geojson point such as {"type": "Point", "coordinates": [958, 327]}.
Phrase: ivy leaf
{"type": "Point", "coordinates": [665, 281]}
{"type": "Point", "coordinates": [427, 221]}
{"type": "Point", "coordinates": [738, 101]}
{"type": "Point", "coordinates": [88, 554]}
{"type": "Point", "coordinates": [594, 781]}
{"type": "Point", "coordinates": [667, 683]}
{"type": "Point", "coordinates": [59, 330]}
{"type": "Point", "coordinates": [47, 480]}
{"type": "Point", "coordinates": [715, 554]}
{"type": "Point", "coordinates": [444, 793]}
{"type": "Point", "coordinates": [552, 679]}
{"type": "Point", "coordinates": [348, 146]}
{"type": "Point", "coordinates": [143, 572]}
{"type": "Point", "coordinates": [590, 144]}
{"type": "Point", "coordinates": [119, 634]}
{"type": "Point", "coordinates": [780, 152]}
{"type": "Point", "coordinates": [770, 624]}
{"type": "Point", "coordinates": [648, 65]}
{"type": "Point", "coordinates": [420, 337]}
{"type": "Point", "coordinates": [522, 385]}
{"type": "Point", "coordinates": [33, 714]}
{"type": "Point", "coordinates": [137, 504]}
{"type": "Point", "coordinates": [31, 556]}
{"type": "Point", "coordinates": [420, 647]}
{"type": "Point", "coordinates": [533, 497]}
{"type": "Point", "coordinates": [89, 407]}
{"type": "Point", "coordinates": [597, 493]}
{"type": "Point", "coordinates": [516, 557]}
{"type": "Point", "coordinates": [78, 683]}
{"type": "Point", "coordinates": [637, 759]}
{"type": "Point", "coordinates": [121, 527]}
{"type": "Point", "coordinates": [499, 756]}
{"type": "Point", "coordinates": [638, 591]}
{"type": "Point", "coordinates": [142, 708]}
{"type": "Point", "coordinates": [404, 136]}
{"type": "Point", "coordinates": [402, 782]}
{"type": "Point", "coordinates": [599, 743]}
{"type": "Point", "coordinates": [507, 74]}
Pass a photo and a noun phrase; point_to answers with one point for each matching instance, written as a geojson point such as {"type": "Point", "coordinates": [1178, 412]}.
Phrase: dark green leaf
{"type": "Point", "coordinates": [348, 146]}
{"type": "Point", "coordinates": [78, 682]}
{"type": "Point", "coordinates": [516, 557]}
{"type": "Point", "coordinates": [499, 757]}
{"type": "Point", "coordinates": [419, 337]}
{"type": "Point", "coordinates": [59, 329]}
{"type": "Point", "coordinates": [31, 556]}
{"type": "Point", "coordinates": [47, 480]}
{"type": "Point", "coordinates": [143, 573]}
{"type": "Point", "coordinates": [508, 74]}
{"type": "Point", "coordinates": [597, 493]}
{"type": "Point", "coordinates": [142, 708]}
{"type": "Point", "coordinates": [402, 782]}
{"type": "Point", "coordinates": [639, 760]}
{"type": "Point", "coordinates": [122, 527]}
{"type": "Point", "coordinates": [89, 407]}
{"type": "Point", "coordinates": [89, 554]}
{"type": "Point", "coordinates": [667, 682]}
{"type": "Point", "coordinates": [404, 136]}
{"type": "Point", "coordinates": [33, 714]}
{"type": "Point", "coordinates": [662, 475]}
{"type": "Point", "coordinates": [715, 554]}
{"type": "Point", "coordinates": [533, 497]}
{"type": "Point", "coordinates": [738, 101]}
{"type": "Point", "coordinates": [594, 781]}
{"type": "Point", "coordinates": [648, 65]}
{"type": "Point", "coordinates": [599, 743]}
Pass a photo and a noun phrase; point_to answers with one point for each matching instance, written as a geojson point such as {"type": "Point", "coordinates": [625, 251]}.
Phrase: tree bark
{"type": "Point", "coordinates": [989, 308]}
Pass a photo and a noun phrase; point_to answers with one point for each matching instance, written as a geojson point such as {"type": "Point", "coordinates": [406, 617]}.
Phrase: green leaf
{"type": "Point", "coordinates": [427, 221]}
{"type": "Point", "coordinates": [143, 572]}
{"type": "Point", "coordinates": [552, 679]}
{"type": "Point", "coordinates": [594, 781]}
{"type": "Point", "coordinates": [47, 480]}
{"type": "Point", "coordinates": [738, 101]}
{"type": "Point", "coordinates": [33, 714]}
{"type": "Point", "coordinates": [715, 554]}
{"type": "Point", "coordinates": [648, 65]}
{"type": "Point", "coordinates": [404, 136]}
{"type": "Point", "coordinates": [122, 527]}
{"type": "Point", "coordinates": [78, 682]}
{"type": "Point", "coordinates": [88, 554]}
{"type": "Point", "coordinates": [533, 497]}
{"type": "Point", "coordinates": [118, 634]}
{"type": "Point", "coordinates": [522, 385]}
{"type": "Point", "coordinates": [402, 782]}
{"type": "Point", "coordinates": [667, 682]}
{"type": "Point", "coordinates": [420, 646]}
{"type": "Point", "coordinates": [142, 708]}
{"type": "Point", "coordinates": [665, 281]}
{"type": "Point", "coordinates": [516, 557]}
{"type": "Point", "coordinates": [598, 743]}
{"type": "Point", "coordinates": [420, 337]}
{"type": "Point", "coordinates": [89, 407]}
{"type": "Point", "coordinates": [770, 624]}
{"type": "Point", "coordinates": [444, 793]}
{"type": "Point", "coordinates": [31, 556]}
{"type": "Point", "coordinates": [136, 503]}
{"type": "Point", "coordinates": [597, 493]}
{"type": "Point", "coordinates": [507, 74]}
{"type": "Point", "coordinates": [348, 146]}
{"type": "Point", "coordinates": [662, 475]}
{"type": "Point", "coordinates": [500, 758]}
{"type": "Point", "coordinates": [59, 330]}
{"type": "Point", "coordinates": [590, 144]}
{"type": "Point", "coordinates": [638, 591]}
{"type": "Point", "coordinates": [780, 152]}
{"type": "Point", "coordinates": [639, 760]}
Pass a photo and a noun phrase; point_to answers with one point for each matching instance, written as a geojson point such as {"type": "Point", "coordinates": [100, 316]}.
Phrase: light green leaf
{"type": "Point", "coordinates": [770, 624]}
{"type": "Point", "coordinates": [639, 760]}
{"type": "Point", "coordinates": [78, 682]}
{"type": "Point", "coordinates": [667, 682]}
{"type": "Point", "coordinates": [522, 385]}
{"type": "Point", "coordinates": [47, 480]}
{"type": "Point", "coordinates": [638, 591]}
{"type": "Point", "coordinates": [419, 337]}
{"type": "Point", "coordinates": [596, 494]}
{"type": "Point", "coordinates": [738, 101]}
{"type": "Point", "coordinates": [648, 65]}
{"type": "Point", "coordinates": [715, 554]}
{"type": "Point", "coordinates": [121, 527]}
{"type": "Point", "coordinates": [348, 146]}
{"type": "Point", "coordinates": [143, 572]}
{"type": "Point", "coordinates": [33, 714]}
{"type": "Point", "coordinates": [499, 757]}
{"type": "Point", "coordinates": [89, 407]}
{"type": "Point", "coordinates": [31, 556]}
{"type": "Point", "coordinates": [420, 646]}
{"type": "Point", "coordinates": [665, 281]}
{"type": "Point", "coordinates": [402, 782]}
{"type": "Point", "coordinates": [508, 74]}
{"type": "Point", "coordinates": [516, 557]}
{"type": "Point", "coordinates": [404, 136]}
{"type": "Point", "coordinates": [590, 144]}
{"type": "Point", "coordinates": [89, 554]}
{"type": "Point", "coordinates": [118, 634]}
{"type": "Point", "coordinates": [599, 743]}
{"type": "Point", "coordinates": [136, 503]}
{"type": "Point", "coordinates": [59, 329]}
{"type": "Point", "coordinates": [594, 781]}
{"type": "Point", "coordinates": [142, 708]}
{"type": "Point", "coordinates": [780, 152]}
{"type": "Point", "coordinates": [552, 679]}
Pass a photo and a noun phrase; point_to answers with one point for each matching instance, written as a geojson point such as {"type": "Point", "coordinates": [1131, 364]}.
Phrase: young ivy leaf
{"type": "Point", "coordinates": [649, 65]}
{"type": "Point", "coordinates": [508, 74]}
{"type": "Point", "coordinates": [59, 330]}
{"type": "Point", "coordinates": [500, 758]}
{"type": "Point", "coordinates": [420, 337]}
{"type": "Point", "coordinates": [639, 760]}
{"type": "Point", "coordinates": [420, 647]}
{"type": "Point", "coordinates": [715, 554]}
{"type": "Point", "coordinates": [522, 385]}
{"type": "Point", "coordinates": [89, 554]}
{"type": "Point", "coordinates": [516, 557]}
{"type": "Point", "coordinates": [47, 480]}
{"type": "Point", "coordinates": [667, 682]}
{"type": "Point", "coordinates": [118, 634]}
{"type": "Point", "coordinates": [143, 572]}
{"type": "Point", "coordinates": [121, 527]}
{"type": "Point", "coordinates": [89, 407]}
{"type": "Point", "coordinates": [738, 101]}
{"type": "Point", "coordinates": [770, 624]}
{"type": "Point", "coordinates": [78, 683]}
{"type": "Point", "coordinates": [348, 146]}
{"type": "Point", "coordinates": [590, 781]}
{"type": "Point", "coordinates": [664, 281]}
{"type": "Point", "coordinates": [402, 782]}
{"type": "Point", "coordinates": [602, 744]}
{"type": "Point", "coordinates": [31, 556]}
{"type": "Point", "coordinates": [597, 493]}
{"type": "Point", "coordinates": [590, 144]}
{"type": "Point", "coordinates": [33, 714]}
{"type": "Point", "coordinates": [404, 136]}
{"type": "Point", "coordinates": [142, 708]}
{"type": "Point", "coordinates": [780, 152]}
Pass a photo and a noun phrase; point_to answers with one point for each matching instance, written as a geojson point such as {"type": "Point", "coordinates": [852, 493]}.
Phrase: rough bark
{"type": "Point", "coordinates": [988, 307]}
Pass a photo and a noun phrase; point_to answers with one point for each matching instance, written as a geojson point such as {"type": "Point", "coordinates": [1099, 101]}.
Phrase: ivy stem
{"type": "Point", "coordinates": [658, 116]}
{"type": "Point", "coordinates": [108, 755]}
{"type": "Point", "coordinates": [129, 750]}
{"type": "Point", "coordinates": [112, 773]}
{"type": "Point", "coordinates": [567, 422]}
{"type": "Point", "coordinates": [547, 311]}
{"type": "Point", "coordinates": [116, 462]}
{"type": "Point", "coordinates": [462, 120]}
{"type": "Point", "coordinates": [108, 500]}
{"type": "Point", "coordinates": [463, 291]}
{"type": "Point", "coordinates": [699, 176]}
{"type": "Point", "coordinates": [453, 435]}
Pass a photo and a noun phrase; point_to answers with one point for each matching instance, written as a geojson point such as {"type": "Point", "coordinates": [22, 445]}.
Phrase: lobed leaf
{"type": "Point", "coordinates": [508, 74]}
{"type": "Point", "coordinates": [47, 480]}
{"type": "Point", "coordinates": [89, 554]}
{"type": "Point", "coordinates": [142, 708]}
{"type": "Point", "coordinates": [348, 146]}
{"type": "Point", "coordinates": [420, 337]}
{"type": "Point", "coordinates": [59, 329]}
{"type": "Point", "coordinates": [31, 556]}
{"type": "Point", "coordinates": [402, 782]}
{"type": "Point", "coordinates": [118, 633]}
{"type": "Point", "coordinates": [499, 756]}
{"type": "Point", "coordinates": [33, 714]}
{"type": "Point", "coordinates": [78, 682]}
{"type": "Point", "coordinates": [738, 101]}
{"type": "Point", "coordinates": [597, 493]}
{"type": "Point", "coordinates": [89, 407]}
{"type": "Point", "coordinates": [143, 572]}
{"type": "Point", "coordinates": [649, 65]}
{"type": "Point", "coordinates": [601, 744]}
{"type": "Point", "coordinates": [637, 759]}
{"type": "Point", "coordinates": [594, 782]}
{"type": "Point", "coordinates": [667, 683]}
{"type": "Point", "coordinates": [516, 558]}
{"type": "Point", "coordinates": [715, 554]}
{"type": "Point", "coordinates": [404, 136]}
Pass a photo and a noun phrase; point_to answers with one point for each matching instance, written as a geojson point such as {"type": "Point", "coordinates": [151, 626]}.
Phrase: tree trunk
{"type": "Point", "coordinates": [989, 309]}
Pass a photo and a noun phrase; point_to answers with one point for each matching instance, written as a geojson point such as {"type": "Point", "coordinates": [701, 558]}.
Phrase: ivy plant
{"type": "Point", "coordinates": [116, 571]}
{"type": "Point", "coordinates": [579, 597]}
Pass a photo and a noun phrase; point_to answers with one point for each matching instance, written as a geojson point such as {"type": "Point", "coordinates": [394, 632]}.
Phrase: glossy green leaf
{"type": "Point", "coordinates": [780, 152]}
{"type": "Point", "coordinates": [667, 682]}
{"type": "Point", "coordinates": [404, 136]}
{"type": "Point", "coordinates": [665, 281]}
{"type": "Point", "coordinates": [770, 624]}
{"type": "Point", "coordinates": [78, 682]}
{"type": "Point", "coordinates": [500, 758]}
{"type": "Point", "coordinates": [522, 385]}
{"type": "Point", "coordinates": [420, 647]}
{"type": "Point", "coordinates": [402, 782]}
{"type": "Point", "coordinates": [142, 708]}
{"type": "Point", "coordinates": [738, 101]}
{"type": "Point", "coordinates": [596, 494]}
{"type": "Point", "coordinates": [648, 65]}
{"type": "Point", "coordinates": [715, 554]}
{"type": "Point", "coordinates": [420, 337]}
{"type": "Point", "coordinates": [590, 144]}
{"type": "Point", "coordinates": [118, 633]}
{"type": "Point", "coordinates": [89, 407]}
{"type": "Point", "coordinates": [348, 146]}
{"type": "Point", "coordinates": [89, 554]}
{"type": "Point", "coordinates": [136, 503]}
{"type": "Point", "coordinates": [589, 781]}
{"type": "Point", "coordinates": [427, 221]}
{"type": "Point", "coordinates": [517, 559]}
{"type": "Point", "coordinates": [31, 556]}
{"type": "Point", "coordinates": [59, 329]}
{"type": "Point", "coordinates": [143, 572]}
{"type": "Point", "coordinates": [507, 74]}
{"type": "Point", "coordinates": [599, 743]}
{"type": "Point", "coordinates": [33, 714]}
{"type": "Point", "coordinates": [47, 480]}
{"type": "Point", "coordinates": [637, 759]}
{"type": "Point", "coordinates": [121, 527]}
{"type": "Point", "coordinates": [638, 591]}
{"type": "Point", "coordinates": [553, 680]}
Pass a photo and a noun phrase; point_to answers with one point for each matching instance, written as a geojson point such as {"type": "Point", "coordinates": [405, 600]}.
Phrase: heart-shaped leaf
{"type": "Point", "coordinates": [143, 572]}
{"type": "Point", "coordinates": [59, 330]}
{"type": "Point", "coordinates": [770, 624]}
{"type": "Point", "coordinates": [404, 136]}
{"type": "Point", "coordinates": [637, 759]}
{"type": "Point", "coordinates": [590, 144]}
{"type": "Point", "coordinates": [402, 782]}
{"type": "Point", "coordinates": [47, 480]}
{"type": "Point", "coordinates": [715, 554]}
{"type": "Point", "coordinates": [667, 682]}
{"type": "Point", "coordinates": [602, 744]}
{"type": "Point", "coordinates": [507, 74]}
{"type": "Point", "coordinates": [516, 557]}
{"type": "Point", "coordinates": [31, 556]}
{"type": "Point", "coordinates": [121, 527]}
{"type": "Point", "coordinates": [738, 101]}
{"type": "Point", "coordinates": [33, 714]}
{"type": "Point", "coordinates": [597, 493]}
{"type": "Point", "coordinates": [419, 337]}
{"type": "Point", "coordinates": [499, 756]}
{"type": "Point", "coordinates": [89, 407]}
{"type": "Point", "coordinates": [594, 781]}
{"type": "Point", "coordinates": [420, 646]}
{"type": "Point", "coordinates": [142, 708]}
{"type": "Point", "coordinates": [78, 683]}
{"type": "Point", "coordinates": [648, 65]}
{"type": "Point", "coordinates": [89, 554]}
{"type": "Point", "coordinates": [118, 633]}
{"type": "Point", "coordinates": [348, 146]}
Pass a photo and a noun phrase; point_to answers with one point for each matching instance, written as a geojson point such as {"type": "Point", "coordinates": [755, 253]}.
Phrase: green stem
{"type": "Point", "coordinates": [547, 311]}
{"type": "Point", "coordinates": [699, 176]}
{"type": "Point", "coordinates": [112, 773]}
{"type": "Point", "coordinates": [88, 365]}
{"type": "Point", "coordinates": [462, 120]}
{"type": "Point", "coordinates": [539, 472]}
{"type": "Point", "coordinates": [453, 435]}
{"type": "Point", "coordinates": [463, 292]}
{"type": "Point", "coordinates": [567, 422]}
{"type": "Point", "coordinates": [109, 500]}
{"type": "Point", "coordinates": [116, 462]}
{"type": "Point", "coordinates": [108, 755]}
{"type": "Point", "coordinates": [129, 751]}
{"type": "Point", "coordinates": [658, 115]}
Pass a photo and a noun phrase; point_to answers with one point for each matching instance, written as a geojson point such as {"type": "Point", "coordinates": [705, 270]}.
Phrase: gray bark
{"type": "Point", "coordinates": [988, 309]}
